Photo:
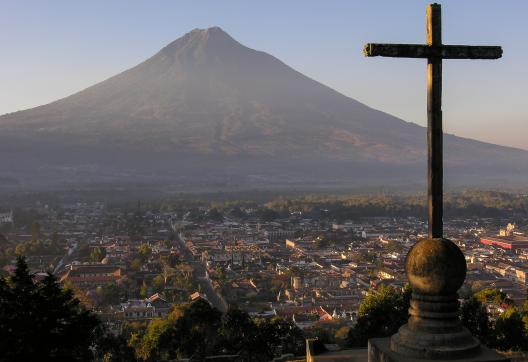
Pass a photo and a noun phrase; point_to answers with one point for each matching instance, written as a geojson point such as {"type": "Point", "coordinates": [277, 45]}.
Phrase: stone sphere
{"type": "Point", "coordinates": [435, 266]}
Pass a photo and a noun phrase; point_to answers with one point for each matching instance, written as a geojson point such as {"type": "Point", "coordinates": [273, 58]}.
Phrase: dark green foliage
{"type": "Point", "coordinates": [282, 335]}
{"type": "Point", "coordinates": [152, 345]}
{"type": "Point", "coordinates": [192, 334]}
{"type": "Point", "coordinates": [198, 330]}
{"type": "Point", "coordinates": [215, 215]}
{"type": "Point", "coordinates": [318, 347]}
{"type": "Point", "coordinates": [509, 331]}
{"type": "Point", "coordinates": [323, 334]}
{"type": "Point", "coordinates": [35, 230]}
{"type": "Point", "coordinates": [98, 253]}
{"type": "Point", "coordinates": [268, 214]}
{"type": "Point", "coordinates": [474, 316]}
{"type": "Point", "coordinates": [493, 296]}
{"type": "Point", "coordinates": [322, 242]}
{"type": "Point", "coordinates": [240, 335]}
{"type": "Point", "coordinates": [145, 251]}
{"type": "Point", "coordinates": [381, 313]}
{"type": "Point", "coordinates": [40, 321]}
{"type": "Point", "coordinates": [238, 213]}
{"type": "Point", "coordinates": [134, 226]}
{"type": "Point", "coordinates": [345, 206]}
{"type": "Point", "coordinates": [111, 348]}
{"type": "Point", "coordinates": [109, 294]}
{"type": "Point", "coordinates": [38, 247]}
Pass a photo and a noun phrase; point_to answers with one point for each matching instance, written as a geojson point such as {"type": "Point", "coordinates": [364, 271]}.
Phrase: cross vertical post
{"type": "Point", "coordinates": [435, 266]}
{"type": "Point", "coordinates": [434, 124]}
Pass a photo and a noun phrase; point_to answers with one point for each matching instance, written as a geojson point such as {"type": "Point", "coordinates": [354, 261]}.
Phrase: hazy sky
{"type": "Point", "coordinates": [51, 49]}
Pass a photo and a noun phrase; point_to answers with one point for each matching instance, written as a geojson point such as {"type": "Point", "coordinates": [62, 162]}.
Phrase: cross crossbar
{"type": "Point", "coordinates": [428, 51]}
{"type": "Point", "coordinates": [434, 51]}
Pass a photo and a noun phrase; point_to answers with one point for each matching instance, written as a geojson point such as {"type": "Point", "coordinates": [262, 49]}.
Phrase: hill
{"type": "Point", "coordinates": [206, 109]}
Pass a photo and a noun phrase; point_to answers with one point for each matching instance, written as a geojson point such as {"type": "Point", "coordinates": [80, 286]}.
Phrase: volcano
{"type": "Point", "coordinates": [207, 109]}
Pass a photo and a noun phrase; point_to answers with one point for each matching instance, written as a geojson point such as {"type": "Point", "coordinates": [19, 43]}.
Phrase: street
{"type": "Point", "coordinates": [200, 276]}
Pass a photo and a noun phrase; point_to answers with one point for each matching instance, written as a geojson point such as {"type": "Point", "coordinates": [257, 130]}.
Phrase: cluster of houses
{"type": "Point", "coordinates": [309, 271]}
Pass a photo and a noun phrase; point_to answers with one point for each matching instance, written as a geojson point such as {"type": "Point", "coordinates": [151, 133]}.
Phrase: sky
{"type": "Point", "coordinates": [51, 49]}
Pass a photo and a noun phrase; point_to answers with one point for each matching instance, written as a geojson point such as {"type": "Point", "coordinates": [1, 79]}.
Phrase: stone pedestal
{"type": "Point", "coordinates": [434, 330]}
{"type": "Point", "coordinates": [436, 269]}
{"type": "Point", "coordinates": [379, 350]}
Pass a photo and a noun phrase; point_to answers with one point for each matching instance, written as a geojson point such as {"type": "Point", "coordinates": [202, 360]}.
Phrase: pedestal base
{"type": "Point", "coordinates": [379, 351]}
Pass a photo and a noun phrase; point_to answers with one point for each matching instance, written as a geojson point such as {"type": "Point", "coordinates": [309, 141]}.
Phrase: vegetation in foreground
{"type": "Point", "coordinates": [383, 311]}
{"type": "Point", "coordinates": [40, 320]}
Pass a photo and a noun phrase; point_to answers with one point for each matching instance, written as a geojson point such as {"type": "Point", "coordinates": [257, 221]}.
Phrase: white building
{"type": "Point", "coordinates": [6, 217]}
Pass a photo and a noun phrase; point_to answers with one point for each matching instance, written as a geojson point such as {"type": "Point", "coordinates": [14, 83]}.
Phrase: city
{"type": "Point", "coordinates": [134, 263]}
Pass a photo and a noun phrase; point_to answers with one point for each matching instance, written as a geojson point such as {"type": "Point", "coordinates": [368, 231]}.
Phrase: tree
{"type": "Point", "coordinates": [148, 347]}
{"type": "Point", "coordinates": [322, 242]}
{"type": "Point", "coordinates": [493, 296]}
{"type": "Point", "coordinates": [158, 284]}
{"type": "Point", "coordinates": [525, 315]}
{"type": "Point", "coordinates": [324, 333]}
{"type": "Point", "coordinates": [220, 274]}
{"type": "Point", "coordinates": [98, 253]}
{"type": "Point", "coordinates": [20, 249]}
{"type": "Point", "coordinates": [144, 290]}
{"type": "Point", "coordinates": [135, 264]}
{"type": "Point", "coordinates": [381, 313]}
{"type": "Point", "coordinates": [197, 330]}
{"type": "Point", "coordinates": [109, 294]}
{"type": "Point", "coordinates": [145, 251]}
{"type": "Point", "coordinates": [474, 317]}
{"type": "Point", "coordinates": [509, 330]}
{"type": "Point", "coordinates": [394, 246]}
{"type": "Point", "coordinates": [238, 213]}
{"type": "Point", "coordinates": [168, 271]}
{"type": "Point", "coordinates": [268, 214]}
{"type": "Point", "coordinates": [112, 348]}
{"type": "Point", "coordinates": [84, 297]}
{"type": "Point", "coordinates": [282, 335]}
{"type": "Point", "coordinates": [41, 321]}
{"type": "Point", "coordinates": [183, 283]}
{"type": "Point", "coordinates": [341, 335]}
{"type": "Point", "coordinates": [190, 331]}
{"type": "Point", "coordinates": [215, 215]}
{"type": "Point", "coordinates": [239, 335]}
{"type": "Point", "coordinates": [37, 247]}
{"type": "Point", "coordinates": [35, 231]}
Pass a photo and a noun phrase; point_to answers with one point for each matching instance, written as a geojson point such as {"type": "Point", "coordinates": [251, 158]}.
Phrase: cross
{"type": "Point", "coordinates": [434, 51]}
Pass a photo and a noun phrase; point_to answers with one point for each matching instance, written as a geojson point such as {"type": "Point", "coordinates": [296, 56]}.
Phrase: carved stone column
{"type": "Point", "coordinates": [436, 269]}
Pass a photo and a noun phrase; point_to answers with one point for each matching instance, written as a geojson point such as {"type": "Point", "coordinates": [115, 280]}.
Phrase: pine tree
{"type": "Point", "coordinates": [40, 321]}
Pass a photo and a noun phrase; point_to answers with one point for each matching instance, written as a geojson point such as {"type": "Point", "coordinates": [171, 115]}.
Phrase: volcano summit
{"type": "Point", "coordinates": [207, 108]}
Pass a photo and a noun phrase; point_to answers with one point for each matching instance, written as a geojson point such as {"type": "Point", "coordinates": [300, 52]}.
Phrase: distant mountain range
{"type": "Point", "coordinates": [206, 109]}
